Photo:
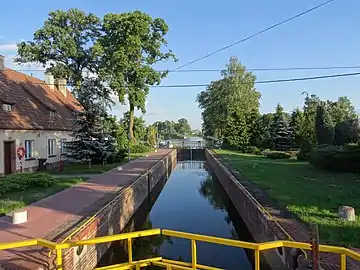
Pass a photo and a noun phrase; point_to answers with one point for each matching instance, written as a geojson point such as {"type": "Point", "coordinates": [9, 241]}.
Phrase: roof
{"type": "Point", "coordinates": [32, 102]}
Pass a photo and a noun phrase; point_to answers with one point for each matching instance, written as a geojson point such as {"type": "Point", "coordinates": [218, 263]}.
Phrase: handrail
{"type": "Point", "coordinates": [168, 264]}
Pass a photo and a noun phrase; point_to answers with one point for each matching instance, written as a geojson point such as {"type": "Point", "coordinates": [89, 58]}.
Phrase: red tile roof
{"type": "Point", "coordinates": [32, 102]}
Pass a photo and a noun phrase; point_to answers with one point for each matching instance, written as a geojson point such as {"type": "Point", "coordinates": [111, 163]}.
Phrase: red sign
{"type": "Point", "coordinates": [20, 152]}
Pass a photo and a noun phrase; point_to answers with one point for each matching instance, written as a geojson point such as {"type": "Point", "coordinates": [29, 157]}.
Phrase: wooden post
{"type": "Point", "coordinates": [314, 241]}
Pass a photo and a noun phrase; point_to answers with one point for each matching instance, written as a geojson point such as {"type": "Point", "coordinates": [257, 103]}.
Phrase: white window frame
{"type": "Point", "coordinates": [51, 147]}
{"type": "Point", "coordinates": [62, 146]}
{"type": "Point", "coordinates": [52, 113]}
{"type": "Point", "coordinates": [7, 107]}
{"type": "Point", "coordinates": [29, 149]}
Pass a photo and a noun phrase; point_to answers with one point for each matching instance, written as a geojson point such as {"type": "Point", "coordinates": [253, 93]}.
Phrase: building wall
{"type": "Point", "coordinates": [40, 138]}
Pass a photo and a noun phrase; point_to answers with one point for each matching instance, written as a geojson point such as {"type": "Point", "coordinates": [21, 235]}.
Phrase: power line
{"type": "Point", "coordinates": [255, 34]}
{"type": "Point", "coordinates": [248, 69]}
{"type": "Point", "coordinates": [266, 81]}
{"type": "Point", "coordinates": [257, 82]}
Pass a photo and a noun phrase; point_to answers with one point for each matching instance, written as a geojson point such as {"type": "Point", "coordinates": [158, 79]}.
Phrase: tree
{"type": "Point", "coordinates": [341, 110]}
{"type": "Point", "coordinates": [91, 142]}
{"type": "Point", "coordinates": [347, 132]}
{"type": "Point", "coordinates": [281, 131]}
{"type": "Point", "coordinates": [130, 45]}
{"type": "Point", "coordinates": [310, 108]}
{"type": "Point", "coordinates": [237, 133]}
{"type": "Point", "coordinates": [66, 43]}
{"type": "Point", "coordinates": [151, 136]}
{"type": "Point", "coordinates": [264, 139]}
{"type": "Point", "coordinates": [182, 127]}
{"type": "Point", "coordinates": [139, 126]}
{"type": "Point", "coordinates": [324, 125]}
{"type": "Point", "coordinates": [229, 100]}
{"type": "Point", "coordinates": [297, 124]}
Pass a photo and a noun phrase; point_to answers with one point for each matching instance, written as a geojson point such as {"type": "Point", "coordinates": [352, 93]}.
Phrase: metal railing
{"type": "Point", "coordinates": [172, 264]}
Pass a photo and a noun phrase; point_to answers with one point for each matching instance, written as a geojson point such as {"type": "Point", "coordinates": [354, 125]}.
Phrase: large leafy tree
{"type": "Point", "coordinates": [232, 99]}
{"type": "Point", "coordinates": [297, 124]}
{"type": "Point", "coordinates": [182, 127]}
{"type": "Point", "coordinates": [341, 110]}
{"type": "Point", "coordinates": [324, 125]}
{"type": "Point", "coordinates": [65, 43]}
{"type": "Point", "coordinates": [310, 110]}
{"type": "Point", "coordinates": [130, 46]}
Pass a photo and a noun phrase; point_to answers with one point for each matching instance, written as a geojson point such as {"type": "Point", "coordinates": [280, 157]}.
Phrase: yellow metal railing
{"type": "Point", "coordinates": [171, 264]}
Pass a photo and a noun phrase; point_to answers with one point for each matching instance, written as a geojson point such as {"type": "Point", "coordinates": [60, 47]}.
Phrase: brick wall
{"type": "Point", "coordinates": [249, 202]}
{"type": "Point", "coordinates": [257, 223]}
{"type": "Point", "coordinates": [115, 216]}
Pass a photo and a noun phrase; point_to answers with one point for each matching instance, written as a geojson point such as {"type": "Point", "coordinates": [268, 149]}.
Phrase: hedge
{"type": "Point", "coordinates": [345, 158]}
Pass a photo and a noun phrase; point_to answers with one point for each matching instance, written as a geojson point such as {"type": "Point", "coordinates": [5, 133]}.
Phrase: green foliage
{"type": "Point", "coordinates": [347, 132]}
{"type": "Point", "coordinates": [139, 148]}
{"type": "Point", "coordinates": [91, 141]}
{"type": "Point", "coordinates": [341, 110]}
{"type": "Point", "coordinates": [66, 42]}
{"type": "Point", "coordinates": [131, 44]}
{"type": "Point", "coordinates": [305, 151]}
{"type": "Point", "coordinates": [25, 181]}
{"type": "Point", "coordinates": [344, 158]}
{"type": "Point", "coordinates": [278, 155]}
{"type": "Point", "coordinates": [151, 136]}
{"type": "Point", "coordinates": [228, 102]}
{"type": "Point", "coordinates": [173, 130]}
{"type": "Point", "coordinates": [281, 132]}
{"type": "Point", "coordinates": [182, 127]}
{"type": "Point", "coordinates": [297, 124]}
{"type": "Point", "coordinates": [118, 157]}
{"type": "Point", "coordinates": [324, 126]}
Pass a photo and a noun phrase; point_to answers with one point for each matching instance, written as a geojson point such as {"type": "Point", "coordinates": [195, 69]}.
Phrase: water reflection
{"type": "Point", "coordinates": [191, 201]}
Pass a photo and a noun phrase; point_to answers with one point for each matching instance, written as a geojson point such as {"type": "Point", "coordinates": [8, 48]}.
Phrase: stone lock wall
{"type": "Point", "coordinates": [259, 225]}
{"type": "Point", "coordinates": [115, 215]}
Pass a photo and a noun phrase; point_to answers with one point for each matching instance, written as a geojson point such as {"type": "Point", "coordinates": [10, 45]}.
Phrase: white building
{"type": "Point", "coordinates": [36, 115]}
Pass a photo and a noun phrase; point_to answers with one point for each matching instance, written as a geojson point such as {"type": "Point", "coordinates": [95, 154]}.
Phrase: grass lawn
{"type": "Point", "coordinates": [15, 200]}
{"type": "Point", "coordinates": [312, 195]}
{"type": "Point", "coordinates": [83, 168]}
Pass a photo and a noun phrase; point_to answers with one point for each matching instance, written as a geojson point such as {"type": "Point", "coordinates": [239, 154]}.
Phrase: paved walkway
{"type": "Point", "coordinates": [49, 214]}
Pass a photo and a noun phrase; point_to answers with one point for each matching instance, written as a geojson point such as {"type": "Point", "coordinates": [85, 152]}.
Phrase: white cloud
{"type": "Point", "coordinates": [8, 47]}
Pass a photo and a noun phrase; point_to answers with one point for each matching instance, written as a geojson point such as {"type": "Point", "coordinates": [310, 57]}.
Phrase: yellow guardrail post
{"type": "Point", "coordinates": [129, 242]}
{"type": "Point", "coordinates": [257, 259]}
{"type": "Point", "coordinates": [343, 262]}
{"type": "Point", "coordinates": [59, 260]}
{"type": "Point", "coordinates": [193, 254]}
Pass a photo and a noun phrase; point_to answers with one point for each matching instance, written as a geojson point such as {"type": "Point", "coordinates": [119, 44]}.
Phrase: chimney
{"type": "Point", "coordinates": [61, 85]}
{"type": "Point", "coordinates": [2, 62]}
{"type": "Point", "coordinates": [49, 80]}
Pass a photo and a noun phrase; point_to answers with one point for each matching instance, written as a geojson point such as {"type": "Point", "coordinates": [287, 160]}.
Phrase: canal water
{"type": "Point", "coordinates": [191, 200]}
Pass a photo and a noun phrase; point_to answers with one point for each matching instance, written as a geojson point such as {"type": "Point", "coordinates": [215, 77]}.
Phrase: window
{"type": "Point", "coordinates": [51, 147]}
{"type": "Point", "coordinates": [62, 146]}
{"type": "Point", "coordinates": [7, 107]}
{"type": "Point", "coordinates": [52, 113]}
{"type": "Point", "coordinates": [29, 149]}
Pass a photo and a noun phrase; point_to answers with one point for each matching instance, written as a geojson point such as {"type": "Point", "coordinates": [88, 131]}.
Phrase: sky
{"type": "Point", "coordinates": [326, 37]}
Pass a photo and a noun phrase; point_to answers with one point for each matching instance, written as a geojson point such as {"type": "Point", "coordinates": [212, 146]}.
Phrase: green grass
{"type": "Point", "coordinates": [312, 195]}
{"type": "Point", "coordinates": [16, 200]}
{"type": "Point", "coordinates": [83, 168]}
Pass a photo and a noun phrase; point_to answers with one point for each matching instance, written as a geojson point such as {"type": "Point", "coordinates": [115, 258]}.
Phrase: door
{"type": "Point", "coordinates": [9, 157]}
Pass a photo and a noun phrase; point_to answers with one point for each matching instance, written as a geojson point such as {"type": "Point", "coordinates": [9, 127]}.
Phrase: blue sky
{"type": "Point", "coordinates": [326, 37]}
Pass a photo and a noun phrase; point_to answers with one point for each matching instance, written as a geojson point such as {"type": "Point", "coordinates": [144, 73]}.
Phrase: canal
{"type": "Point", "coordinates": [191, 200]}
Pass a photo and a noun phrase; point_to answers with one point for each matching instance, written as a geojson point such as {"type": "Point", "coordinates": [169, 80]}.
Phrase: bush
{"type": "Point", "coordinates": [118, 157]}
{"type": "Point", "coordinates": [252, 150]}
{"type": "Point", "coordinates": [338, 158]}
{"type": "Point", "coordinates": [139, 148]}
{"type": "Point", "coordinates": [305, 151]}
{"type": "Point", "coordinates": [25, 181]}
{"type": "Point", "coordinates": [277, 155]}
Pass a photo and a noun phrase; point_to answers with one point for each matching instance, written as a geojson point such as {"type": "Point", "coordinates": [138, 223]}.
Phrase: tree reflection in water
{"type": "Point", "coordinates": [212, 190]}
